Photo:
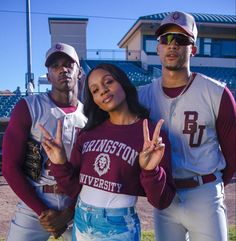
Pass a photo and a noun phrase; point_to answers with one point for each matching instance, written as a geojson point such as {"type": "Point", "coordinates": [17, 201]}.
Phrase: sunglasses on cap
{"type": "Point", "coordinates": [180, 38]}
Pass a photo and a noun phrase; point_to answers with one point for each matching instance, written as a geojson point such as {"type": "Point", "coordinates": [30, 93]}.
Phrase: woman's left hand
{"type": "Point", "coordinates": [153, 149]}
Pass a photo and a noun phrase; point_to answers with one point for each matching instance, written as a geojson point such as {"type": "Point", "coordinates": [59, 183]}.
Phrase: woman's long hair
{"type": "Point", "coordinates": [94, 114]}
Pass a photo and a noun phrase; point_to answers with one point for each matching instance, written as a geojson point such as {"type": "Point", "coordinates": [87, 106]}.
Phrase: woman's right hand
{"type": "Point", "coordinates": [54, 148]}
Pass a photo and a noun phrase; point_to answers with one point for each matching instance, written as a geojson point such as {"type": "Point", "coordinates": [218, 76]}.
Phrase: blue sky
{"type": "Point", "coordinates": [108, 23]}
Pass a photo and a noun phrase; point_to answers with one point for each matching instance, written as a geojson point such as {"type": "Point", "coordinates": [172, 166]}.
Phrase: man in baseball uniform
{"type": "Point", "coordinates": [199, 114]}
{"type": "Point", "coordinates": [43, 210]}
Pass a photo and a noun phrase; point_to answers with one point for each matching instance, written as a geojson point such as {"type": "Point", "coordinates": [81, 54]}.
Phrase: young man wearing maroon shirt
{"type": "Point", "coordinates": [43, 210]}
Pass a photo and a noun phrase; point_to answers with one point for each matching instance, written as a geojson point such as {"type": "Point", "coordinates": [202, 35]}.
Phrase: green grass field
{"type": "Point", "coordinates": [149, 235]}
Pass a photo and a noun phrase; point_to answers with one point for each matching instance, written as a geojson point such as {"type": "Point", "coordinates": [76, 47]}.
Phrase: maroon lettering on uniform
{"type": "Point", "coordinates": [191, 128]}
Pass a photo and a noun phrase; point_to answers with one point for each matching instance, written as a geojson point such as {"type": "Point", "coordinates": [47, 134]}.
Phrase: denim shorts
{"type": "Point", "coordinates": [114, 224]}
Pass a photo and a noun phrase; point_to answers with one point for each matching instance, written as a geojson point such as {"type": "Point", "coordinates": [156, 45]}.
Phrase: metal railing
{"type": "Point", "coordinates": [113, 54]}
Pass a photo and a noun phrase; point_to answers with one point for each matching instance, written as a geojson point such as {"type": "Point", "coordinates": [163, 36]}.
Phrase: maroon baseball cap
{"type": "Point", "coordinates": [181, 19]}
{"type": "Point", "coordinates": [63, 49]}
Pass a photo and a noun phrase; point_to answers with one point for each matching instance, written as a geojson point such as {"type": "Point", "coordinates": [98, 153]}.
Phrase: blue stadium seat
{"type": "Point", "coordinates": [133, 69]}
{"type": "Point", "coordinates": [7, 104]}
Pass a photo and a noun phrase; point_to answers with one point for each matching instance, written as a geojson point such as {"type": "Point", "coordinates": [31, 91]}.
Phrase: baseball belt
{"type": "Point", "coordinates": [51, 189]}
{"type": "Point", "coordinates": [194, 181]}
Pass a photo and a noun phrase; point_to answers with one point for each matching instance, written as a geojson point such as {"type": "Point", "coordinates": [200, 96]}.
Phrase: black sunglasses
{"type": "Point", "coordinates": [180, 38]}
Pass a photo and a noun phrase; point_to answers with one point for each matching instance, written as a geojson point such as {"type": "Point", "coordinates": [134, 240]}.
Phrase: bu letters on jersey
{"type": "Point", "coordinates": [192, 128]}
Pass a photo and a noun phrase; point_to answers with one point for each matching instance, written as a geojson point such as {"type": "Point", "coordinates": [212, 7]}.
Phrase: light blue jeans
{"type": "Point", "coordinates": [25, 225]}
{"type": "Point", "coordinates": [195, 214]}
{"type": "Point", "coordinates": [113, 224]}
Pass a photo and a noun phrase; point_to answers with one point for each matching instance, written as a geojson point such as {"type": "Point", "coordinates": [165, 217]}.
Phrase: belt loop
{"type": "Point", "coordinates": [199, 179]}
{"type": "Point", "coordinates": [129, 210]}
{"type": "Point", "coordinates": [104, 213]}
{"type": "Point", "coordinates": [54, 189]}
{"type": "Point", "coordinates": [132, 210]}
{"type": "Point", "coordinates": [78, 203]}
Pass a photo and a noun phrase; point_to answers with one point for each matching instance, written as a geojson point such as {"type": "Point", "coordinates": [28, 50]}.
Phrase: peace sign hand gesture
{"type": "Point", "coordinates": [54, 148]}
{"type": "Point", "coordinates": [153, 150]}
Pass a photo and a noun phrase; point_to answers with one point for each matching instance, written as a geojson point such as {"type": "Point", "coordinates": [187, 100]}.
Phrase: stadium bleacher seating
{"type": "Point", "coordinates": [133, 69]}
{"type": "Point", "coordinates": [140, 76]}
{"type": "Point", "coordinates": [226, 75]}
{"type": "Point", "coordinates": [1, 138]}
{"type": "Point", "coordinates": [3, 125]}
{"type": "Point", "coordinates": [7, 103]}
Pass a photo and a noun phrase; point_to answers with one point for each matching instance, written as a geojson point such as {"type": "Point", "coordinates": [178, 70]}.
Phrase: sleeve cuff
{"type": "Point", "coordinates": [154, 172]}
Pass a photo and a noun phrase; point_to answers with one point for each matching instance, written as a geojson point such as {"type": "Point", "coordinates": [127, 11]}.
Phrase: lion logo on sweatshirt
{"type": "Point", "coordinates": [102, 164]}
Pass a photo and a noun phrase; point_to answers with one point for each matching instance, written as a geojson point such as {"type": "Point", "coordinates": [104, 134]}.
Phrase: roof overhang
{"type": "Point", "coordinates": [137, 26]}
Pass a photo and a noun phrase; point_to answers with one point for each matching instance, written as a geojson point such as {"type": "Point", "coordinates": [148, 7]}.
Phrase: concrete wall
{"type": "Point", "coordinates": [134, 46]}
{"type": "Point", "coordinates": [70, 31]}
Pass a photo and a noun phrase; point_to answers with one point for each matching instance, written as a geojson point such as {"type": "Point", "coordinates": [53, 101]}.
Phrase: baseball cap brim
{"type": "Point", "coordinates": [51, 58]}
{"type": "Point", "coordinates": [162, 29]}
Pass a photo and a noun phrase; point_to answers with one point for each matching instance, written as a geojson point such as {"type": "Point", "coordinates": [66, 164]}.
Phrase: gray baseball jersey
{"type": "Point", "coordinates": [43, 110]}
{"type": "Point", "coordinates": [190, 122]}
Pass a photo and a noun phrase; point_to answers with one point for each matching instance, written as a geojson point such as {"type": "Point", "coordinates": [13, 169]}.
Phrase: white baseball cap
{"type": "Point", "coordinates": [61, 48]}
{"type": "Point", "coordinates": [181, 19]}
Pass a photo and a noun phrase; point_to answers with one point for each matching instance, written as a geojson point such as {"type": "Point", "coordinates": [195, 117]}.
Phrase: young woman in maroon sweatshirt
{"type": "Point", "coordinates": [118, 156]}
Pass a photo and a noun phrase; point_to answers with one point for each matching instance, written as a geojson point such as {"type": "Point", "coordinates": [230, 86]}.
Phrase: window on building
{"type": "Point", "coordinates": [218, 48]}
{"type": "Point", "coordinates": [150, 44]}
{"type": "Point", "coordinates": [228, 48]}
{"type": "Point", "coordinates": [207, 46]}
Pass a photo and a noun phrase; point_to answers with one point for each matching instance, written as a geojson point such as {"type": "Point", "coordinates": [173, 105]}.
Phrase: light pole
{"type": "Point", "coordinates": [29, 76]}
